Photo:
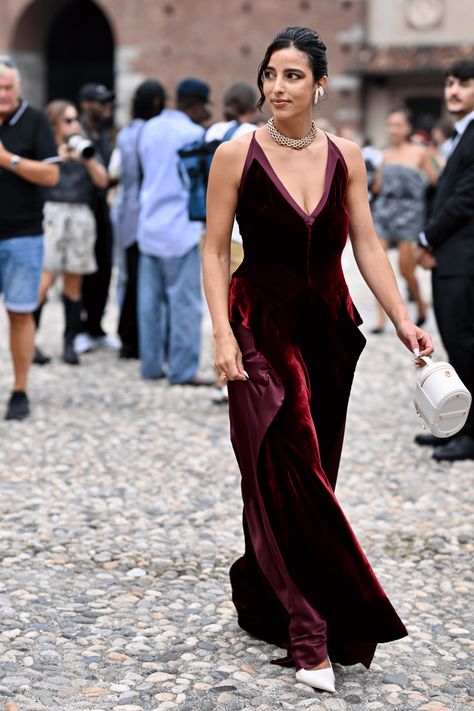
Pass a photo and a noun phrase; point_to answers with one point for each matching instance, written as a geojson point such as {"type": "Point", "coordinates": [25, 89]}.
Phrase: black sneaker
{"type": "Point", "coordinates": [18, 407]}
{"type": "Point", "coordinates": [70, 356]}
{"type": "Point", "coordinates": [128, 352]}
{"type": "Point", "coordinates": [431, 440]}
{"type": "Point", "coordinates": [40, 358]}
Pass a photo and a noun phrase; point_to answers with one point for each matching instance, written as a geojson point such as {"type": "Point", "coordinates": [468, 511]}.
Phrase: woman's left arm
{"type": "Point", "coordinates": [371, 258]}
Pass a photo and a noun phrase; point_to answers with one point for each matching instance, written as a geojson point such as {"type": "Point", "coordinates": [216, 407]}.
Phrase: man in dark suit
{"type": "Point", "coordinates": [448, 249]}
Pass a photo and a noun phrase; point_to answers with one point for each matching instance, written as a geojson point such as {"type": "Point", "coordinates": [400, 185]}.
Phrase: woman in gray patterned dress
{"type": "Point", "coordinates": [399, 210]}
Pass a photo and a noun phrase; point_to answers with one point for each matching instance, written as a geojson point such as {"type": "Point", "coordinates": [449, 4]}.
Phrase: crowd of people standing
{"type": "Point", "coordinates": [62, 165]}
{"type": "Point", "coordinates": [73, 167]}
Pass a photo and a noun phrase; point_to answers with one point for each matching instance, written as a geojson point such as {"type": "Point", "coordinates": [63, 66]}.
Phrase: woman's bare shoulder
{"type": "Point", "coordinates": [419, 152]}
{"type": "Point", "coordinates": [345, 145]}
{"type": "Point", "coordinates": [349, 149]}
{"type": "Point", "coordinates": [230, 156]}
{"type": "Point", "coordinates": [232, 150]}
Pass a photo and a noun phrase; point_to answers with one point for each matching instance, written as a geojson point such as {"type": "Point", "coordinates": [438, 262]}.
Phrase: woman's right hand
{"type": "Point", "coordinates": [63, 152]}
{"type": "Point", "coordinates": [228, 360]}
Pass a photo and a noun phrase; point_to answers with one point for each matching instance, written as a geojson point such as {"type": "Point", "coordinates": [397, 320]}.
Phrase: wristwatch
{"type": "Point", "coordinates": [15, 162]}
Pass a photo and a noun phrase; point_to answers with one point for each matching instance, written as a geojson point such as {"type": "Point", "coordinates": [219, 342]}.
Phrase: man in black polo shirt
{"type": "Point", "coordinates": [27, 161]}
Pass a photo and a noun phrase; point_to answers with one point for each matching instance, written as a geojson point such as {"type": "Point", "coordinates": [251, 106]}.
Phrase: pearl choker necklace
{"type": "Point", "coordinates": [296, 143]}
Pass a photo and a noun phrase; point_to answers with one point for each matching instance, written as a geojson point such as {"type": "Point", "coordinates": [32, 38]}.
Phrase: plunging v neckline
{"type": "Point", "coordinates": [272, 174]}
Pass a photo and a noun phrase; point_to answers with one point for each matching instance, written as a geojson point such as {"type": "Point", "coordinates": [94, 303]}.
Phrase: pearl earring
{"type": "Point", "coordinates": [319, 93]}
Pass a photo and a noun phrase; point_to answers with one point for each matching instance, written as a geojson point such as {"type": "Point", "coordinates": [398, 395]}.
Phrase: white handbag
{"type": "Point", "coordinates": [442, 401]}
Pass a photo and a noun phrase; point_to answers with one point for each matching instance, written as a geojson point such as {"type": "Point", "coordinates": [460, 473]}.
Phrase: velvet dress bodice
{"type": "Point", "coordinates": [294, 251]}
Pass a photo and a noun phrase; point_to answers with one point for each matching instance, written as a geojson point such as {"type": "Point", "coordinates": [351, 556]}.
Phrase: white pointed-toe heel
{"type": "Point", "coordinates": [322, 679]}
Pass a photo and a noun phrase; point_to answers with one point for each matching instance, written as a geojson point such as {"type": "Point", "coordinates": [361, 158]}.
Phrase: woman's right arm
{"type": "Point", "coordinates": [222, 193]}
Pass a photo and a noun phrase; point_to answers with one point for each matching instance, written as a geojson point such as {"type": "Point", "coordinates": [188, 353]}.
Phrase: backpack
{"type": "Point", "coordinates": [194, 165]}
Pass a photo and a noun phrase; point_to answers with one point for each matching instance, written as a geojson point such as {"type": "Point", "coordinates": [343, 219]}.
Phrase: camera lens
{"type": "Point", "coordinates": [81, 145]}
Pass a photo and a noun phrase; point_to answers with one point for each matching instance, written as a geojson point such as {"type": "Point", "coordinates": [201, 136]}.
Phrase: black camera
{"type": "Point", "coordinates": [81, 145]}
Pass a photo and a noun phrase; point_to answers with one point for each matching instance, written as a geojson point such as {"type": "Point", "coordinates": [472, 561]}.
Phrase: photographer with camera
{"type": "Point", "coordinates": [69, 224]}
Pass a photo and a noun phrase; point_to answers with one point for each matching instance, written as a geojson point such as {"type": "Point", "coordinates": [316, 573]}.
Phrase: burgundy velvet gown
{"type": "Point", "coordinates": [304, 583]}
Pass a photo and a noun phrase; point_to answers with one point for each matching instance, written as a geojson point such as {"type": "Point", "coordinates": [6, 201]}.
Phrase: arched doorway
{"type": "Point", "coordinates": [61, 44]}
{"type": "Point", "coordinates": [79, 49]}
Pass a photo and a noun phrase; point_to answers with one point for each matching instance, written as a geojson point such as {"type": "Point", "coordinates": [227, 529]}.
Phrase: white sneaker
{"type": "Point", "coordinates": [83, 343]}
{"type": "Point", "coordinates": [106, 341]}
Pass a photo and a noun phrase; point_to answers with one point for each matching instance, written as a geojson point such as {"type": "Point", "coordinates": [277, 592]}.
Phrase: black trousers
{"type": "Point", "coordinates": [95, 287]}
{"type": "Point", "coordinates": [128, 328]}
{"type": "Point", "coordinates": [453, 301]}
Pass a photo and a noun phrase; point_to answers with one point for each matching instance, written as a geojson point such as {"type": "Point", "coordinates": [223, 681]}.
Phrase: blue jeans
{"type": "Point", "coordinates": [21, 262]}
{"type": "Point", "coordinates": [169, 315]}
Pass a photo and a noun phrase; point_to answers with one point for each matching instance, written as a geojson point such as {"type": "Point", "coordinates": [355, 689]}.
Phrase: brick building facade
{"type": "Point", "coordinates": [380, 53]}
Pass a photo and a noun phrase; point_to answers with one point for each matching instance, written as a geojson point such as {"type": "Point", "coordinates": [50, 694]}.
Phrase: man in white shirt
{"type": "Point", "coordinates": [169, 273]}
{"type": "Point", "coordinates": [240, 101]}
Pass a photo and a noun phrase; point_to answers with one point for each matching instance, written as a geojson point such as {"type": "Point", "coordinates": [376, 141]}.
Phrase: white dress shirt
{"type": "Point", "coordinates": [460, 127]}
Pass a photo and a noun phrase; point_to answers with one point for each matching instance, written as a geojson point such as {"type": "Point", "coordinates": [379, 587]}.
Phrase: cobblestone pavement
{"type": "Point", "coordinates": [121, 514]}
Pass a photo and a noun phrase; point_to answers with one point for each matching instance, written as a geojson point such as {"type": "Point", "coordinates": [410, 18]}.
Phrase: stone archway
{"type": "Point", "coordinates": [61, 44]}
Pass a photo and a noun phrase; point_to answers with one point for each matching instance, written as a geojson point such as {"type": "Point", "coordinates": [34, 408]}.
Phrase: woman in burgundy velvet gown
{"type": "Point", "coordinates": [287, 343]}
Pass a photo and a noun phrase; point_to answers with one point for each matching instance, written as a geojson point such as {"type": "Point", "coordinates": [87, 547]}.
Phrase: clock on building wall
{"type": "Point", "coordinates": [425, 14]}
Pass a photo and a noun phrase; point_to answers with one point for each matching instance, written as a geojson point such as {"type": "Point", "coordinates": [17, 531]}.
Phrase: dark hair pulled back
{"type": "Point", "coordinates": [303, 39]}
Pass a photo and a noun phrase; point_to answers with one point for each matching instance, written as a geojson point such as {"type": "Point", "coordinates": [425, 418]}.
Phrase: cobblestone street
{"type": "Point", "coordinates": [121, 515]}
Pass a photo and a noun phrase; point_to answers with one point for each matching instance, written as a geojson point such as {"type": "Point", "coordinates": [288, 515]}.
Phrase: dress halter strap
{"type": "Point", "coordinates": [248, 161]}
